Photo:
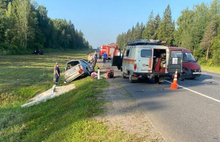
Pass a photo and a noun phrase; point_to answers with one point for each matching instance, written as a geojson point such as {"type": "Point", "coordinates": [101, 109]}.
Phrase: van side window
{"type": "Point", "coordinates": [127, 52]}
{"type": "Point", "coordinates": [146, 53]}
{"type": "Point", "coordinates": [176, 54]}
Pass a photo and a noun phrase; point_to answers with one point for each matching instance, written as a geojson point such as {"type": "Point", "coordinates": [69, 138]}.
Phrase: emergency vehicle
{"type": "Point", "coordinates": [109, 49]}
{"type": "Point", "coordinates": [149, 59]}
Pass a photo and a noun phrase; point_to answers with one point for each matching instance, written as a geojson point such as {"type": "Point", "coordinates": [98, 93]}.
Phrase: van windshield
{"type": "Point", "coordinates": [188, 57]}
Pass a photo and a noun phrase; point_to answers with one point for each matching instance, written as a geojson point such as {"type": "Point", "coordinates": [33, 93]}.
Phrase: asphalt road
{"type": "Point", "coordinates": [188, 114]}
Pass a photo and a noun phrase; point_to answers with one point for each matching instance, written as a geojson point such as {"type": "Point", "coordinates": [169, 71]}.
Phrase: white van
{"type": "Point", "coordinates": [149, 59]}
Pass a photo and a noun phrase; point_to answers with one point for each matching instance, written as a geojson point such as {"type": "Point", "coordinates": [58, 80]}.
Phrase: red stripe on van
{"type": "Point", "coordinates": [149, 64]}
{"type": "Point", "coordinates": [130, 61]}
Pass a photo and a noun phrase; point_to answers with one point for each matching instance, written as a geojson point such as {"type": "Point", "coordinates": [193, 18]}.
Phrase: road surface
{"type": "Point", "coordinates": [189, 114]}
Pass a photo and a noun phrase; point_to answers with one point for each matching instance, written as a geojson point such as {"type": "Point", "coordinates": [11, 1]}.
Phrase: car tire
{"type": "Point", "coordinates": [181, 78]}
{"type": "Point", "coordinates": [192, 77]}
{"type": "Point", "coordinates": [157, 80]}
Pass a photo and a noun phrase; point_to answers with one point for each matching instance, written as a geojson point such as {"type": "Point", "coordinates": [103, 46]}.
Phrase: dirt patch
{"type": "Point", "coordinates": [123, 113]}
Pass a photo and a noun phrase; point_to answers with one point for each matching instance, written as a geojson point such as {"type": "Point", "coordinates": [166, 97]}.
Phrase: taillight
{"type": "Point", "coordinates": [135, 67]}
{"type": "Point", "coordinates": [80, 71]}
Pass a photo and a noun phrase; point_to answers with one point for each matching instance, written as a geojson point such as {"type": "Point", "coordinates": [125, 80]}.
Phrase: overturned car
{"type": "Point", "coordinates": [77, 68]}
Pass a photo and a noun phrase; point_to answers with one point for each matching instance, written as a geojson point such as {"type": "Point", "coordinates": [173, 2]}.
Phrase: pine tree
{"type": "Point", "coordinates": [137, 31]}
{"type": "Point", "coordinates": [166, 28]}
{"type": "Point", "coordinates": [156, 26]}
{"type": "Point", "coordinates": [149, 32]}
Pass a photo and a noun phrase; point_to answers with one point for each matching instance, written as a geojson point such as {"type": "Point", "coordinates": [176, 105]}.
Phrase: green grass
{"type": "Point", "coordinates": [65, 118]}
{"type": "Point", "coordinates": [210, 68]}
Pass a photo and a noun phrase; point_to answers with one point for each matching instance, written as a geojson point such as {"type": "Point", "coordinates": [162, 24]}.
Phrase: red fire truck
{"type": "Point", "coordinates": [109, 49]}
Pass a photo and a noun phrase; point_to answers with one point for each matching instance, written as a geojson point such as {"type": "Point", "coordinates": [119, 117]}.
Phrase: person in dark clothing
{"type": "Point", "coordinates": [57, 75]}
{"type": "Point", "coordinates": [95, 57]}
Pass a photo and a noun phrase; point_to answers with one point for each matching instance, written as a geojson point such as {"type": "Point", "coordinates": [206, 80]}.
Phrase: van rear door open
{"type": "Point", "coordinates": [175, 60]}
{"type": "Point", "coordinates": [145, 61]}
{"type": "Point", "coordinates": [117, 60]}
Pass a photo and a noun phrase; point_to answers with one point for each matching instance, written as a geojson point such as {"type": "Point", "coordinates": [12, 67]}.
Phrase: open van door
{"type": "Point", "coordinates": [145, 60]}
{"type": "Point", "coordinates": [175, 60]}
{"type": "Point", "coordinates": [117, 60]}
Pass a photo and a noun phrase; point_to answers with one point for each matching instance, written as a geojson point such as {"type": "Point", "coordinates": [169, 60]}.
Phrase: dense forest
{"type": "Point", "coordinates": [25, 26]}
{"type": "Point", "coordinates": [197, 29]}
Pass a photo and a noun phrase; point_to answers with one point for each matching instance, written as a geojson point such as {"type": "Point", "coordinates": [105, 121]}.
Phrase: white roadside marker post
{"type": "Point", "coordinates": [98, 73]}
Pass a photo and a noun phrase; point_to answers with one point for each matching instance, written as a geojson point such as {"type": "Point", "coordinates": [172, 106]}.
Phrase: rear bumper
{"type": "Point", "coordinates": [69, 78]}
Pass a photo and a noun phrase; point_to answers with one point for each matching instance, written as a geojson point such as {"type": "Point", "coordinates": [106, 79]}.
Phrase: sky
{"type": "Point", "coordinates": [101, 21]}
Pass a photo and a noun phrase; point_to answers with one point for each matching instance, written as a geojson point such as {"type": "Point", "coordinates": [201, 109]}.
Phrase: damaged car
{"type": "Point", "coordinates": [77, 68]}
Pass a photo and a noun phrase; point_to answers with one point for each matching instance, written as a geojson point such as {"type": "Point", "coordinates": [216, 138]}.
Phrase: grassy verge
{"type": "Point", "coordinates": [212, 69]}
{"type": "Point", "coordinates": [65, 118]}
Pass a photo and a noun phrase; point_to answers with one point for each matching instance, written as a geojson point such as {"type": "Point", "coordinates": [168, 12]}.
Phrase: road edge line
{"type": "Point", "coordinates": [196, 92]}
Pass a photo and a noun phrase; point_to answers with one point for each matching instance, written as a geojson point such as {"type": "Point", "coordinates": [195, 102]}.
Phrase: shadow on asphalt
{"type": "Point", "coordinates": [150, 95]}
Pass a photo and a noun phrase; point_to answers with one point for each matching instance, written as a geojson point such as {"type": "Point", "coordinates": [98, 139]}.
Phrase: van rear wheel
{"type": "Point", "coordinates": [157, 80]}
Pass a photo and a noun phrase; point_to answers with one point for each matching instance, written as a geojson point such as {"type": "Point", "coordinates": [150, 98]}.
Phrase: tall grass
{"type": "Point", "coordinates": [211, 68]}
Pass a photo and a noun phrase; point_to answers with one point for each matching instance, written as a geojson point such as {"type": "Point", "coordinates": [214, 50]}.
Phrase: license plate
{"type": "Point", "coordinates": [196, 72]}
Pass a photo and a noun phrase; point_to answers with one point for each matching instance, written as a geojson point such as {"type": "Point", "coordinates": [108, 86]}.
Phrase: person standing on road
{"type": "Point", "coordinates": [95, 57]}
{"type": "Point", "coordinates": [104, 57]}
{"type": "Point", "coordinates": [57, 75]}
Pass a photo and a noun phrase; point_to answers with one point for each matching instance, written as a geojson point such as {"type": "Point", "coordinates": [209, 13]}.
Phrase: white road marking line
{"type": "Point", "coordinates": [196, 92]}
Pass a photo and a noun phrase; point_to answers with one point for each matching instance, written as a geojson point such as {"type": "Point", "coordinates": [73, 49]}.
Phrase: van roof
{"type": "Point", "coordinates": [184, 49]}
{"type": "Point", "coordinates": [146, 42]}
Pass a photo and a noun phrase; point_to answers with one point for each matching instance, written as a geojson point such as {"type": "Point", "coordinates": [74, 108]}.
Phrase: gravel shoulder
{"type": "Point", "coordinates": [123, 113]}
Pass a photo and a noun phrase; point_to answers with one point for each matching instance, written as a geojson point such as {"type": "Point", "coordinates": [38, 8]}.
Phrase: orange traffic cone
{"type": "Point", "coordinates": [174, 85]}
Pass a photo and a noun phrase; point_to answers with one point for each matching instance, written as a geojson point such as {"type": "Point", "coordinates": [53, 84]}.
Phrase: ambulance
{"type": "Point", "coordinates": [149, 59]}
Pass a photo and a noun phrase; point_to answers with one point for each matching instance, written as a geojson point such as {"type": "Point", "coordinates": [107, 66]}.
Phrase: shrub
{"type": "Point", "coordinates": [216, 57]}
{"type": "Point", "coordinates": [10, 49]}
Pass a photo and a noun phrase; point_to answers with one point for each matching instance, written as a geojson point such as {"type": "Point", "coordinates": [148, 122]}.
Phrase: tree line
{"type": "Point", "coordinates": [197, 29]}
{"type": "Point", "coordinates": [25, 26]}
